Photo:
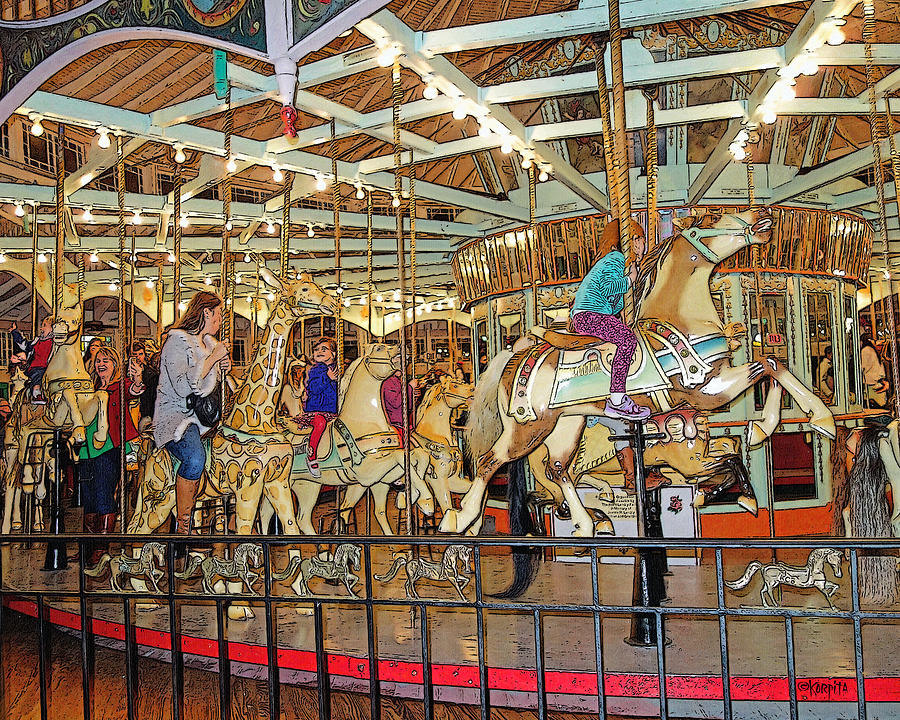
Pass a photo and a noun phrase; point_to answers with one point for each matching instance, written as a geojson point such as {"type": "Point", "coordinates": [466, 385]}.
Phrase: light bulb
{"type": "Point", "coordinates": [484, 130]}
{"type": "Point", "coordinates": [459, 110]}
{"type": "Point", "coordinates": [171, 257]}
{"type": "Point", "coordinates": [277, 175]}
{"type": "Point", "coordinates": [309, 231]}
{"type": "Point", "coordinates": [238, 278]}
{"type": "Point", "coordinates": [346, 302]}
{"type": "Point", "coordinates": [182, 305]}
{"type": "Point", "coordinates": [136, 219]}
{"type": "Point", "coordinates": [20, 210]}
{"type": "Point", "coordinates": [94, 257]}
{"type": "Point", "coordinates": [387, 55]}
{"type": "Point", "coordinates": [526, 163]}
{"type": "Point", "coordinates": [506, 147]}
{"type": "Point", "coordinates": [738, 152]}
{"type": "Point", "coordinates": [419, 310]}
{"type": "Point", "coordinates": [360, 193]}
{"type": "Point", "coordinates": [42, 257]}
{"type": "Point", "coordinates": [179, 154]}
{"type": "Point", "coordinates": [231, 165]}
{"type": "Point", "coordinates": [103, 137]}
{"type": "Point", "coordinates": [228, 225]}
{"type": "Point", "coordinates": [271, 297]}
{"type": "Point", "coordinates": [450, 302]}
{"type": "Point", "coordinates": [428, 308]}
{"type": "Point", "coordinates": [2, 257]}
{"type": "Point", "coordinates": [742, 137]}
{"type": "Point", "coordinates": [339, 289]}
{"type": "Point", "coordinates": [769, 116]}
{"type": "Point", "coordinates": [208, 280]}
{"type": "Point", "coordinates": [395, 201]}
{"type": "Point", "coordinates": [149, 283]}
{"type": "Point", "coordinates": [36, 128]}
{"type": "Point", "coordinates": [270, 227]}
{"type": "Point", "coordinates": [113, 287]}
{"type": "Point", "coordinates": [379, 298]}
{"type": "Point", "coordinates": [430, 92]}
{"type": "Point", "coordinates": [320, 183]}
{"type": "Point", "coordinates": [396, 295]}
{"type": "Point", "coordinates": [543, 177]}
{"type": "Point", "coordinates": [184, 222]}
{"type": "Point", "coordinates": [836, 37]}
{"type": "Point", "coordinates": [362, 300]}
{"type": "Point", "coordinates": [246, 257]}
{"type": "Point", "coordinates": [87, 216]}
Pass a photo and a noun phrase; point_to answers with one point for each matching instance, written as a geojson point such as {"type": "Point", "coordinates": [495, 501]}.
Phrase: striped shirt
{"type": "Point", "coordinates": [602, 288]}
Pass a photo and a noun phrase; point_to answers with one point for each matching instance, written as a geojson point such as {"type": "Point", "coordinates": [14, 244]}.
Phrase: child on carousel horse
{"type": "Point", "coordinates": [33, 353]}
{"type": "Point", "coordinates": [321, 397]}
{"type": "Point", "coordinates": [597, 304]}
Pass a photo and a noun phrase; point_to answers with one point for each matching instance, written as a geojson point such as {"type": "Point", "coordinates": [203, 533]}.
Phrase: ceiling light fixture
{"type": "Point", "coordinates": [321, 184]}
{"type": "Point", "coordinates": [94, 257]}
{"type": "Point", "coordinates": [103, 137]}
{"type": "Point", "coordinates": [231, 165]}
{"type": "Point", "coordinates": [270, 227]}
{"type": "Point", "coordinates": [136, 219]}
{"type": "Point", "coordinates": [87, 215]}
{"type": "Point", "coordinates": [277, 175]}
{"type": "Point", "coordinates": [310, 232]}
{"type": "Point", "coordinates": [20, 209]}
{"type": "Point", "coordinates": [36, 128]}
{"type": "Point", "coordinates": [180, 157]}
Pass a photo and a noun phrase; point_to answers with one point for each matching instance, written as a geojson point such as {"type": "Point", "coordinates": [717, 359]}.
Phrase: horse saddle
{"type": "Point", "coordinates": [336, 450]}
{"type": "Point", "coordinates": [565, 340]}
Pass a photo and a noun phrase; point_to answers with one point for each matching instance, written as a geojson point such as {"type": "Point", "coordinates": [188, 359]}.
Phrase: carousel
{"type": "Point", "coordinates": [425, 358]}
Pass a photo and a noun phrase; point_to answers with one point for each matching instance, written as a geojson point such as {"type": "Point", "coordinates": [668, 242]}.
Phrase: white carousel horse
{"type": "Point", "coordinates": [676, 317]}
{"type": "Point", "coordinates": [72, 401]}
{"type": "Point", "coordinates": [359, 449]}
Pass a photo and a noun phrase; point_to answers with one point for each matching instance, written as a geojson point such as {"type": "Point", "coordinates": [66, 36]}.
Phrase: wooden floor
{"type": "Point", "coordinates": [20, 699]}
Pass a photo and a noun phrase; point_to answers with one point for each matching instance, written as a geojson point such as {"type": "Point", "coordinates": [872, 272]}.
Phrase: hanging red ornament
{"type": "Point", "coordinates": [289, 118]}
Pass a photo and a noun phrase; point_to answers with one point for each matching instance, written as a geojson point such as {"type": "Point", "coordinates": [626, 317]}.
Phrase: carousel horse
{"type": "Point", "coordinates": [72, 401]}
{"type": "Point", "coordinates": [250, 456]}
{"type": "Point", "coordinates": [441, 464]}
{"type": "Point", "coordinates": [359, 449]}
{"type": "Point", "coordinates": [21, 413]}
{"type": "Point", "coordinates": [542, 395]}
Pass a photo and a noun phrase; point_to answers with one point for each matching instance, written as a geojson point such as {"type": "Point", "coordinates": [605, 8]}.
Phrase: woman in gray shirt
{"type": "Point", "coordinates": [192, 361]}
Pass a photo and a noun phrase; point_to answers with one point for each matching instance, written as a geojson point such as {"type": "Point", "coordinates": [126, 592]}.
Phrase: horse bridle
{"type": "Point", "coordinates": [695, 234]}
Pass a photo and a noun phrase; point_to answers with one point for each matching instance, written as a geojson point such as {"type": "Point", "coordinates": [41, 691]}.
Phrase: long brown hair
{"type": "Point", "coordinates": [107, 351]}
{"type": "Point", "coordinates": [192, 321]}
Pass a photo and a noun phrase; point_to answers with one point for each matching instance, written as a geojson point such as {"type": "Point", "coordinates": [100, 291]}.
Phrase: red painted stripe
{"type": "Point", "coordinates": [638, 685]}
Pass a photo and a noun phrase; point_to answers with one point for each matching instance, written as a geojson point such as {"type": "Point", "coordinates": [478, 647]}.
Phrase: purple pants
{"type": "Point", "coordinates": [610, 329]}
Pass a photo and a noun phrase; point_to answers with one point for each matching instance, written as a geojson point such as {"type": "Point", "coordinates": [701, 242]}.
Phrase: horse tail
{"type": "Point", "coordinates": [290, 571]}
{"type": "Point", "coordinates": [484, 426]}
{"type": "Point", "coordinates": [99, 567]}
{"type": "Point", "coordinates": [526, 560]}
{"type": "Point", "coordinates": [193, 564]}
{"type": "Point", "coordinates": [395, 568]}
{"type": "Point", "coordinates": [840, 486]}
{"type": "Point", "coordinates": [744, 580]}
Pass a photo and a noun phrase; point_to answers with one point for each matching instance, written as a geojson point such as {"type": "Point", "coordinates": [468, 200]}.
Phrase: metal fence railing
{"type": "Point", "coordinates": [47, 596]}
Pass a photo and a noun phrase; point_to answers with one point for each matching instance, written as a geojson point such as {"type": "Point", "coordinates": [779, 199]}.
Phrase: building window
{"type": "Point", "coordinates": [773, 341]}
{"type": "Point", "coordinates": [40, 152]}
{"type": "Point", "coordinates": [165, 182]}
{"type": "Point", "coordinates": [107, 180]}
{"type": "Point", "coordinates": [793, 466]}
{"type": "Point", "coordinates": [851, 348]}
{"type": "Point", "coordinates": [238, 352]}
{"type": "Point", "coordinates": [4, 139]}
{"type": "Point", "coordinates": [821, 352]}
{"type": "Point", "coordinates": [133, 182]}
{"type": "Point", "coordinates": [441, 214]}
{"type": "Point", "coordinates": [247, 195]}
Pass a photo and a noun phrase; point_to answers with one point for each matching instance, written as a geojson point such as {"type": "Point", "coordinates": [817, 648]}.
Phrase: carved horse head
{"type": "Point", "coordinates": [67, 326]}
{"type": "Point", "coordinates": [381, 360]}
{"type": "Point", "coordinates": [716, 236]}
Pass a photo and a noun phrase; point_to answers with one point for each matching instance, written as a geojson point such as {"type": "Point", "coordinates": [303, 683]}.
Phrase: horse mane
{"type": "Point", "coordinates": [656, 256]}
{"type": "Point", "coordinates": [346, 379]}
{"type": "Point", "coordinates": [427, 399]}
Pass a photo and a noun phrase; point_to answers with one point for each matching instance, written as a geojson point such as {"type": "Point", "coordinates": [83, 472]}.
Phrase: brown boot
{"type": "Point", "coordinates": [106, 524]}
{"type": "Point", "coordinates": [185, 497]}
{"type": "Point", "coordinates": [90, 525]}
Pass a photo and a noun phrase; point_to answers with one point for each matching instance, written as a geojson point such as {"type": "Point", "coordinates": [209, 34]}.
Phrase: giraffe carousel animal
{"type": "Point", "coordinates": [250, 455]}
{"type": "Point", "coordinates": [537, 396]}
{"type": "Point", "coordinates": [359, 449]}
{"type": "Point", "coordinates": [439, 462]}
{"type": "Point", "coordinates": [72, 401]}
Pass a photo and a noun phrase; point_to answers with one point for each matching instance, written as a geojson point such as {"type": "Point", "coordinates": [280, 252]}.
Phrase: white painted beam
{"type": "Point", "coordinates": [206, 105]}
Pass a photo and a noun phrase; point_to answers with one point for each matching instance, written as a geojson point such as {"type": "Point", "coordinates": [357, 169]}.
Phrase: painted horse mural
{"type": "Point", "coordinates": [537, 396]}
{"type": "Point", "coordinates": [250, 455]}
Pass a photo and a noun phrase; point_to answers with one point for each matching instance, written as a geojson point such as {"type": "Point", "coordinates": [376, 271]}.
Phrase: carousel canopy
{"type": "Point", "coordinates": [484, 89]}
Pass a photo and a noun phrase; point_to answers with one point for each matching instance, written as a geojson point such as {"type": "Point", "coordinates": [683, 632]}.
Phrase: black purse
{"type": "Point", "coordinates": [208, 408]}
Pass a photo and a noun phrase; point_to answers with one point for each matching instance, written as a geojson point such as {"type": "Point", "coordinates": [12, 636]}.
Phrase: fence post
{"type": "Point", "coordinates": [56, 550]}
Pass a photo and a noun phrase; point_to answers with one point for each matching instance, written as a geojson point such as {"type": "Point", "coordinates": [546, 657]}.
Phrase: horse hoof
{"type": "Point", "coordinates": [699, 499]}
{"type": "Point", "coordinates": [604, 527]}
{"type": "Point", "coordinates": [749, 504]}
{"type": "Point", "coordinates": [563, 512]}
{"type": "Point", "coordinates": [755, 435]}
{"type": "Point", "coordinates": [448, 523]}
{"type": "Point", "coordinates": [240, 612]}
{"type": "Point", "coordinates": [824, 425]}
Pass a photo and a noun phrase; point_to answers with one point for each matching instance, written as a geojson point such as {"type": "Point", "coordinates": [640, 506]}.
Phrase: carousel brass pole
{"type": "Point", "coordinates": [877, 125]}
{"type": "Point", "coordinates": [176, 228]}
{"type": "Point", "coordinates": [225, 284]}
{"type": "Point", "coordinates": [34, 254]}
{"type": "Point", "coordinates": [620, 146]}
{"type": "Point", "coordinates": [609, 159]}
{"type": "Point", "coordinates": [532, 243]}
{"type": "Point", "coordinates": [652, 171]}
{"type": "Point", "coordinates": [369, 260]}
{"type": "Point", "coordinates": [160, 292]}
{"type": "Point", "coordinates": [412, 258]}
{"type": "Point", "coordinates": [895, 171]}
{"type": "Point", "coordinates": [120, 336]}
{"type": "Point", "coordinates": [336, 214]}
{"type": "Point", "coordinates": [131, 275]}
{"type": "Point", "coordinates": [397, 97]}
{"type": "Point", "coordinates": [58, 256]}
{"type": "Point", "coordinates": [79, 262]}
{"type": "Point", "coordinates": [284, 249]}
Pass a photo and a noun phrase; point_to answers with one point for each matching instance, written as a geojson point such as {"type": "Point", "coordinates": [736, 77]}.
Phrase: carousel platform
{"type": "Point", "coordinates": [823, 647]}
